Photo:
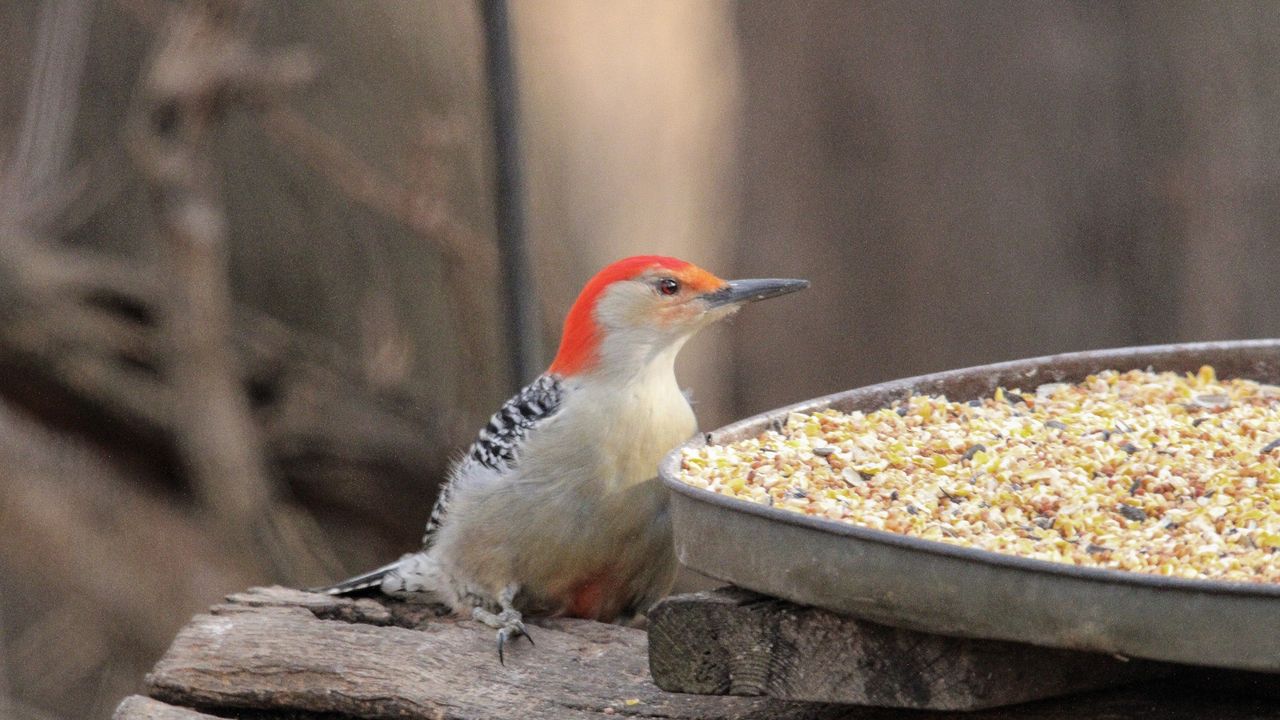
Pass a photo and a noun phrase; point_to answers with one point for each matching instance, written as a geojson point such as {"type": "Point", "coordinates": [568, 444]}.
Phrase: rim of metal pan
{"type": "Point", "coordinates": [1256, 359]}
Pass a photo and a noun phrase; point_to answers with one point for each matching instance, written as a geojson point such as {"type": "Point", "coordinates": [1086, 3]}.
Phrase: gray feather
{"type": "Point", "coordinates": [498, 445]}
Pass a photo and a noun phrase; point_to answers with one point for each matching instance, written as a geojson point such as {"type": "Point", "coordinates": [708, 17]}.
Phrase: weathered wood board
{"type": "Point", "coordinates": [278, 653]}
{"type": "Point", "coordinates": [277, 650]}
{"type": "Point", "coordinates": [736, 642]}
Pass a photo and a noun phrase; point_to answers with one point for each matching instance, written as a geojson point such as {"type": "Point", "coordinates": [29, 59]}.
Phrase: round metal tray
{"type": "Point", "coordinates": [952, 590]}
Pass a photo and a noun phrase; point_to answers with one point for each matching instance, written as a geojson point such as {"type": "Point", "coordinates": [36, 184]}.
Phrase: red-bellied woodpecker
{"type": "Point", "coordinates": [555, 508]}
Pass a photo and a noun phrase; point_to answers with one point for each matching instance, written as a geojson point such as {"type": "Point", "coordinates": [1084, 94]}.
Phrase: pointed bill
{"type": "Point", "coordinates": [737, 292]}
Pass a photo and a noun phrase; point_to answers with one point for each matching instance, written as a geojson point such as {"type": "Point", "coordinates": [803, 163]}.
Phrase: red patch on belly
{"type": "Point", "coordinates": [595, 597]}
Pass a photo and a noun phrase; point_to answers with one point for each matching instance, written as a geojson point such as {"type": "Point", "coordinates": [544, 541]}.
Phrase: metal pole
{"type": "Point", "coordinates": [523, 326]}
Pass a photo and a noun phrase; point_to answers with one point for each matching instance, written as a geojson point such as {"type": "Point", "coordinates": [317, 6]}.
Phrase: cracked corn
{"type": "Point", "coordinates": [1158, 473]}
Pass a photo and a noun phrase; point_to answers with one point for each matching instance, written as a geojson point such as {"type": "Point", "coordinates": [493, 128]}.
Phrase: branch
{"type": "Point", "coordinates": [39, 158]}
{"type": "Point", "coordinates": [204, 66]}
{"type": "Point", "coordinates": [469, 260]}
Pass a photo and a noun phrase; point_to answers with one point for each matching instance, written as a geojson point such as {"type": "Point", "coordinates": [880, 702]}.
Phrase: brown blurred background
{"type": "Point", "coordinates": [245, 324]}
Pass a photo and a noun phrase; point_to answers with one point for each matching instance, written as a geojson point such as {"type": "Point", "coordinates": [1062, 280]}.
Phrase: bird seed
{"type": "Point", "coordinates": [1147, 472]}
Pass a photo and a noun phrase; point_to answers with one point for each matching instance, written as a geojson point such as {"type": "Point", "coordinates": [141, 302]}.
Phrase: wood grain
{"type": "Point", "coordinates": [271, 651]}
{"type": "Point", "coordinates": [280, 653]}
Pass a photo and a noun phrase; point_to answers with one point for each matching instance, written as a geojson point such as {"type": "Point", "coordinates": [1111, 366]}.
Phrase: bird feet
{"type": "Point", "coordinates": [508, 621]}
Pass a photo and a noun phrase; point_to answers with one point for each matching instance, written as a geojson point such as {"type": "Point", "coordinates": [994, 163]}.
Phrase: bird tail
{"type": "Point", "coordinates": [371, 579]}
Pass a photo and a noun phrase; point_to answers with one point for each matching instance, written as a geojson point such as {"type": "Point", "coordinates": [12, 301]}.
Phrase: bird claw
{"type": "Point", "coordinates": [509, 622]}
{"type": "Point", "coordinates": [514, 629]}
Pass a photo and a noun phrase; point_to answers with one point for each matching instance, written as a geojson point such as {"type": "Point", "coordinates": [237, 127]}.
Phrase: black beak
{"type": "Point", "coordinates": [744, 291]}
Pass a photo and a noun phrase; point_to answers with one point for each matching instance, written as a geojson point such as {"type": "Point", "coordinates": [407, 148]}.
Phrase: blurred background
{"type": "Point", "coordinates": [251, 282]}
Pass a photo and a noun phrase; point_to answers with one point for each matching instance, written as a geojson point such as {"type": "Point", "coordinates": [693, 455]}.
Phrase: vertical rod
{"type": "Point", "coordinates": [523, 327]}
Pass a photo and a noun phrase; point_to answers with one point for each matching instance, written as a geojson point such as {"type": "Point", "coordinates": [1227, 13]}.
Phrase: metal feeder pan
{"type": "Point", "coordinates": [951, 590]}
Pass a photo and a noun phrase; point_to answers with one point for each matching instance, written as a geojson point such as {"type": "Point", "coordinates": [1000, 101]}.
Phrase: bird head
{"type": "Point", "coordinates": [647, 306]}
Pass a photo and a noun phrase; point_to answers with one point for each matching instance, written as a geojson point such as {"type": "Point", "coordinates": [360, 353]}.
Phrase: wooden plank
{"type": "Point", "coordinates": [285, 653]}
{"type": "Point", "coordinates": [735, 642]}
{"type": "Point", "coordinates": [136, 707]}
{"type": "Point", "coordinates": [270, 651]}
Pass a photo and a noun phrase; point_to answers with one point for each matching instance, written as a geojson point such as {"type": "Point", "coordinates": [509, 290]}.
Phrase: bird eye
{"type": "Point", "coordinates": [668, 286]}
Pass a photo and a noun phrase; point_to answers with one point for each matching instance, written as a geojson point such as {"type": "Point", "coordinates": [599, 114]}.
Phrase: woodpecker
{"type": "Point", "coordinates": [555, 508]}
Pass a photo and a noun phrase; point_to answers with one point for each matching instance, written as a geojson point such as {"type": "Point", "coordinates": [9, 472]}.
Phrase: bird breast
{"type": "Point", "coordinates": [580, 521]}
{"type": "Point", "coordinates": [629, 428]}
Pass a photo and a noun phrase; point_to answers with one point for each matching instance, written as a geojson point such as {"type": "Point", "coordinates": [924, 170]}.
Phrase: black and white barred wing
{"type": "Point", "coordinates": [495, 451]}
{"type": "Point", "coordinates": [497, 448]}
{"type": "Point", "coordinates": [498, 445]}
